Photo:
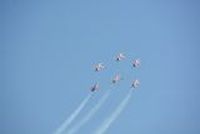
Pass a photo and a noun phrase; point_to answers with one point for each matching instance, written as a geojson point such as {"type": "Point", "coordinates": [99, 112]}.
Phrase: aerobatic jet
{"type": "Point", "coordinates": [98, 67]}
{"type": "Point", "coordinates": [135, 83]}
{"type": "Point", "coordinates": [116, 79]}
{"type": "Point", "coordinates": [120, 57]}
{"type": "Point", "coordinates": [136, 63]}
{"type": "Point", "coordinates": [94, 87]}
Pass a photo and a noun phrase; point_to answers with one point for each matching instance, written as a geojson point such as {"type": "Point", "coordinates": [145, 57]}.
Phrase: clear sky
{"type": "Point", "coordinates": [48, 48]}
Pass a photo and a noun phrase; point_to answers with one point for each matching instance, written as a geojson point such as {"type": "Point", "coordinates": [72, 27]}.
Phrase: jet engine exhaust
{"type": "Point", "coordinates": [90, 114]}
{"type": "Point", "coordinates": [107, 123]}
{"type": "Point", "coordinates": [69, 120]}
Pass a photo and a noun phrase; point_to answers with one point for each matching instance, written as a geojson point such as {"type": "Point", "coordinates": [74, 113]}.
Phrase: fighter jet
{"type": "Point", "coordinates": [94, 87]}
{"type": "Point", "coordinates": [98, 67]}
{"type": "Point", "coordinates": [120, 57]}
{"type": "Point", "coordinates": [116, 79]}
{"type": "Point", "coordinates": [136, 63]}
{"type": "Point", "coordinates": [135, 83]}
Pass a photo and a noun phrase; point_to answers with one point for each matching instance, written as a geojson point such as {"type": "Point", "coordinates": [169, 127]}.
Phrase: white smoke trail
{"type": "Point", "coordinates": [90, 114]}
{"type": "Point", "coordinates": [69, 120]}
{"type": "Point", "coordinates": [106, 124]}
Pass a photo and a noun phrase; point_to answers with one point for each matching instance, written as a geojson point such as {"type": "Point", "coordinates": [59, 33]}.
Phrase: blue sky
{"type": "Point", "coordinates": [48, 49]}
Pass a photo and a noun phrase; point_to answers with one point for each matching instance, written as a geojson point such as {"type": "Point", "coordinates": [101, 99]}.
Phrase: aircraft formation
{"type": "Point", "coordinates": [98, 68]}
{"type": "Point", "coordinates": [120, 57]}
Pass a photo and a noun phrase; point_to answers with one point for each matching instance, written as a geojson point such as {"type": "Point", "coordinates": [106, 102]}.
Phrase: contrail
{"type": "Point", "coordinates": [106, 124]}
{"type": "Point", "coordinates": [69, 120]}
{"type": "Point", "coordinates": [90, 114]}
